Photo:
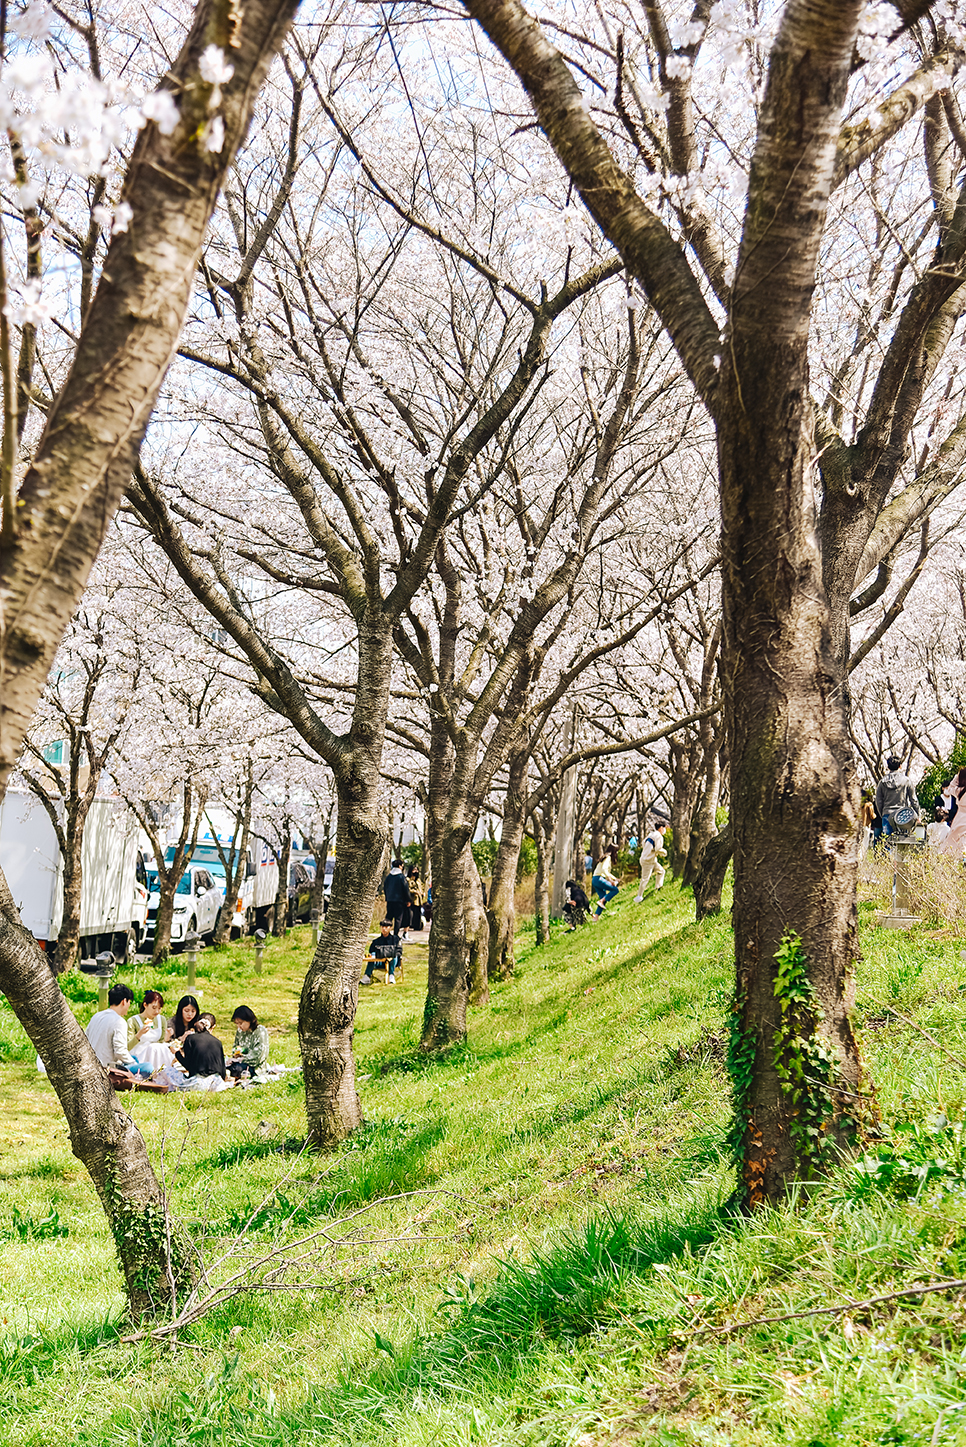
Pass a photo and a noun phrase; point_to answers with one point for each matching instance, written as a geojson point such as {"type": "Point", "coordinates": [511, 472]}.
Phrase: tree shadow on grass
{"type": "Point", "coordinates": [383, 1158]}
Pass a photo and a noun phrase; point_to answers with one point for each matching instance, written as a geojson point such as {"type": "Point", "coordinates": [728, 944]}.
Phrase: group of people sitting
{"type": "Point", "coordinates": [604, 883]}
{"type": "Point", "coordinates": [182, 1052]}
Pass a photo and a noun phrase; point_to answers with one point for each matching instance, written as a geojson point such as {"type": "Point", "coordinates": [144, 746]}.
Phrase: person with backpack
{"type": "Point", "coordinates": [894, 792]}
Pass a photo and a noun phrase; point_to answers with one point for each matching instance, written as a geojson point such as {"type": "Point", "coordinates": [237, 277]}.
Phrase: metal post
{"type": "Point", "coordinates": [259, 949]}
{"type": "Point", "coordinates": [105, 969]}
{"type": "Point", "coordinates": [191, 943]}
{"type": "Point", "coordinates": [316, 926]}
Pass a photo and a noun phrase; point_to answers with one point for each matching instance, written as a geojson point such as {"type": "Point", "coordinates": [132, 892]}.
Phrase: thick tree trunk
{"type": "Point", "coordinates": [455, 899]}
{"type": "Point", "coordinates": [330, 992]}
{"type": "Point", "coordinates": [500, 910]}
{"type": "Point", "coordinates": [710, 877]}
{"type": "Point", "coordinates": [794, 801]}
{"type": "Point", "coordinates": [103, 1136]}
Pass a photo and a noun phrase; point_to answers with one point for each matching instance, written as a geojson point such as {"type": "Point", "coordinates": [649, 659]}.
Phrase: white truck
{"type": "Point", "coordinates": [259, 884]}
{"type": "Point", "coordinates": [114, 895]}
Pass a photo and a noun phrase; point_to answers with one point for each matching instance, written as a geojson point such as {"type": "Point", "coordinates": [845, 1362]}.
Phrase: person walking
{"type": "Point", "coordinates": [605, 884]}
{"type": "Point", "coordinates": [652, 852]}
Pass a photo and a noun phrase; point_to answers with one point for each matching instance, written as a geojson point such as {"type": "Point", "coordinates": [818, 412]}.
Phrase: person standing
{"type": "Point", "coordinates": [395, 887]}
{"type": "Point", "coordinates": [652, 852]}
{"type": "Point", "coordinates": [107, 1032]}
{"type": "Point", "coordinates": [414, 920]}
{"type": "Point", "coordinates": [894, 792]}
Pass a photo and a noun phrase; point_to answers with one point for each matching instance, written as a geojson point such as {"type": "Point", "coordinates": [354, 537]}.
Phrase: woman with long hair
{"type": "Point", "coordinates": [184, 1019]}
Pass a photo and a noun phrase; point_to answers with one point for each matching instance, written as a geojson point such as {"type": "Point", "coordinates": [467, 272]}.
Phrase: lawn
{"type": "Point", "coordinates": [529, 1242]}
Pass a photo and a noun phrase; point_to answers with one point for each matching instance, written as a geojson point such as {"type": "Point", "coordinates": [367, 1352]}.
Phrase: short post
{"type": "Point", "coordinates": [191, 943]}
{"type": "Point", "coordinates": [259, 950]}
{"type": "Point", "coordinates": [105, 969]}
{"type": "Point", "coordinates": [316, 927]}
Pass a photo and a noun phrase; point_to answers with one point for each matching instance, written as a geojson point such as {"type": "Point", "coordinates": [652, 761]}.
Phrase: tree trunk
{"type": "Point", "coordinates": [794, 801]}
{"type": "Point", "coordinates": [162, 924]}
{"type": "Point", "coordinates": [500, 911]}
{"type": "Point", "coordinates": [450, 940]}
{"type": "Point", "coordinates": [68, 938]}
{"type": "Point", "coordinates": [596, 839]}
{"type": "Point", "coordinates": [684, 796]}
{"type": "Point", "coordinates": [703, 826]}
{"type": "Point", "coordinates": [330, 992]}
{"type": "Point", "coordinates": [477, 934]}
{"type": "Point", "coordinates": [710, 877]}
{"type": "Point", "coordinates": [541, 888]}
{"type": "Point", "coordinates": [284, 856]}
{"type": "Point", "coordinates": [103, 1137]}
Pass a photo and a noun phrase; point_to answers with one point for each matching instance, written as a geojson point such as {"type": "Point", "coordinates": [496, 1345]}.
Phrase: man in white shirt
{"type": "Point", "coordinates": [652, 852]}
{"type": "Point", "coordinates": [107, 1032]}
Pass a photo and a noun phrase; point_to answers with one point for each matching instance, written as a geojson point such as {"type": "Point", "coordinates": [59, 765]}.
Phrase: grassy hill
{"type": "Point", "coordinates": [527, 1243]}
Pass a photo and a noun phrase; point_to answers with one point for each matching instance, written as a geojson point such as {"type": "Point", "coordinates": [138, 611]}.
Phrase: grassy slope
{"type": "Point", "coordinates": [579, 1141]}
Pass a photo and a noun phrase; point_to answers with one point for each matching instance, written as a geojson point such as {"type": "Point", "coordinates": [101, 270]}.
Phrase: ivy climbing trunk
{"type": "Point", "coordinates": [150, 1250]}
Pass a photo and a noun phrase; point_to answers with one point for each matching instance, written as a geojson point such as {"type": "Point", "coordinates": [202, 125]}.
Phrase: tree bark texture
{"type": "Point", "coordinates": [710, 877]}
{"type": "Point", "coordinates": [103, 1136]}
{"type": "Point", "coordinates": [330, 991]}
{"type": "Point", "coordinates": [794, 801]}
{"type": "Point", "coordinates": [500, 909]}
{"type": "Point", "coordinates": [94, 429]}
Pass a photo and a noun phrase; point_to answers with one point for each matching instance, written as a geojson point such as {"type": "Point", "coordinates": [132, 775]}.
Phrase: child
{"type": "Point", "coordinates": [577, 907]}
{"type": "Point", "coordinates": [383, 951]}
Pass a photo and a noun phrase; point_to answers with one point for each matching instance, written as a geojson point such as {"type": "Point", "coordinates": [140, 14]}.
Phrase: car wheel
{"type": "Point", "coordinates": [209, 936]}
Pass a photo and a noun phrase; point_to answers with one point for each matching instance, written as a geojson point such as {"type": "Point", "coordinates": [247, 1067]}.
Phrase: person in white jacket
{"type": "Point", "coordinates": [107, 1032]}
{"type": "Point", "coordinates": [652, 852]}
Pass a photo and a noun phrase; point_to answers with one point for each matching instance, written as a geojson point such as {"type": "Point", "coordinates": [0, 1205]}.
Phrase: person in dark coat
{"type": "Point", "coordinates": [395, 887]}
{"type": "Point", "coordinates": [203, 1057]}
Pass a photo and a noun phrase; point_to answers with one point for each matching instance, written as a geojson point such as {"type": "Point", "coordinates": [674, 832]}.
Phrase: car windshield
{"type": "Point", "coordinates": [154, 883]}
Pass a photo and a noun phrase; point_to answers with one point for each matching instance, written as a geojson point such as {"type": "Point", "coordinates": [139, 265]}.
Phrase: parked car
{"type": "Point", "coordinates": [300, 883]}
{"type": "Point", "coordinates": [197, 904]}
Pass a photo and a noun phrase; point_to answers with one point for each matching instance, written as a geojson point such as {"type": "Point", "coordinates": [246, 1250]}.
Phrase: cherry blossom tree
{"type": "Point", "coordinates": [54, 521]}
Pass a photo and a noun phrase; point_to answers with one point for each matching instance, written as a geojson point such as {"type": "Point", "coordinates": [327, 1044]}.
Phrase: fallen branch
{"type": "Point", "coordinates": [275, 1263]}
{"type": "Point", "coordinates": [842, 1307]}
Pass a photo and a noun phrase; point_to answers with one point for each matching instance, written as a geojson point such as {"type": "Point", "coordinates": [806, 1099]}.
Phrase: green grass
{"type": "Point", "coordinates": [530, 1237]}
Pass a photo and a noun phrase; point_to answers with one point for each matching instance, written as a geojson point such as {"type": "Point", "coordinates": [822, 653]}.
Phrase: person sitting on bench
{"type": "Point", "coordinates": [384, 953]}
